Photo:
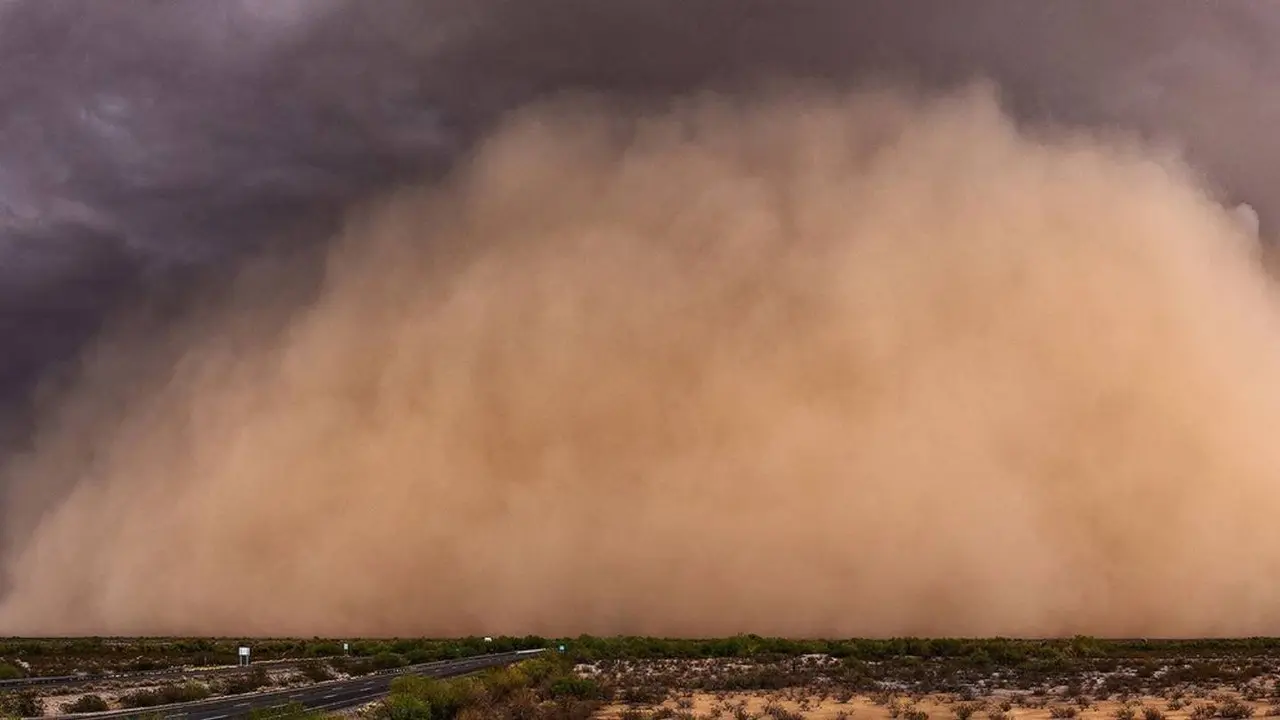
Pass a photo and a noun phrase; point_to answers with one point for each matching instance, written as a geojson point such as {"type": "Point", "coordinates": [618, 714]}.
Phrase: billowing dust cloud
{"type": "Point", "coordinates": [812, 365]}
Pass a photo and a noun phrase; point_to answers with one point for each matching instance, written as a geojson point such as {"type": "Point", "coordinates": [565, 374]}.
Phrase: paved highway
{"type": "Point", "coordinates": [331, 695]}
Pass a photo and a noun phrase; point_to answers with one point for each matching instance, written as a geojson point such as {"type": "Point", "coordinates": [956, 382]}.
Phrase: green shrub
{"type": "Point", "coordinates": [86, 704]}
{"type": "Point", "coordinates": [10, 672]}
{"type": "Point", "coordinates": [140, 699]}
{"type": "Point", "coordinates": [1234, 710]}
{"type": "Point", "coordinates": [420, 656]}
{"type": "Point", "coordinates": [21, 704]}
{"type": "Point", "coordinates": [542, 669]}
{"type": "Point", "coordinates": [443, 700]}
{"type": "Point", "coordinates": [403, 707]}
{"type": "Point", "coordinates": [777, 712]}
{"type": "Point", "coordinates": [502, 683]}
{"type": "Point", "coordinates": [186, 692]}
{"type": "Point", "coordinates": [363, 666]}
{"type": "Point", "coordinates": [570, 686]}
{"type": "Point", "coordinates": [247, 683]}
{"type": "Point", "coordinates": [323, 649]}
{"type": "Point", "coordinates": [1203, 711]}
{"type": "Point", "coordinates": [388, 661]}
{"type": "Point", "coordinates": [316, 671]}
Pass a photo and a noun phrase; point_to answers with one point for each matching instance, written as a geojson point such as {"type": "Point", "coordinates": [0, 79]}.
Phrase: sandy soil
{"type": "Point", "coordinates": [710, 706]}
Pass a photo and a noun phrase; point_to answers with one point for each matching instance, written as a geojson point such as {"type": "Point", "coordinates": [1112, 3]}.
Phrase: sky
{"type": "Point", "coordinates": [149, 150]}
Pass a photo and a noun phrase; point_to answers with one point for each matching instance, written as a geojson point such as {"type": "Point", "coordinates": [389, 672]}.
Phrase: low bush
{"type": "Point", "coordinates": [186, 692]}
{"type": "Point", "coordinates": [1203, 711]}
{"type": "Point", "coordinates": [778, 712]}
{"type": "Point", "coordinates": [502, 683]}
{"type": "Point", "coordinates": [545, 689]}
{"type": "Point", "coordinates": [439, 699]}
{"type": "Point", "coordinates": [388, 661]}
{"type": "Point", "coordinates": [86, 704]}
{"type": "Point", "coordinates": [645, 694]}
{"type": "Point", "coordinates": [1234, 710]}
{"type": "Point", "coordinates": [246, 683]}
{"type": "Point", "coordinates": [581, 688]}
{"type": "Point", "coordinates": [146, 664]}
{"type": "Point", "coordinates": [403, 707]}
{"type": "Point", "coordinates": [21, 704]}
{"type": "Point", "coordinates": [316, 671]}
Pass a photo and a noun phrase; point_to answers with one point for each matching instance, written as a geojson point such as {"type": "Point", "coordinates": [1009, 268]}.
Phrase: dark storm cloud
{"type": "Point", "coordinates": [143, 142]}
{"type": "Point", "coordinates": [141, 139]}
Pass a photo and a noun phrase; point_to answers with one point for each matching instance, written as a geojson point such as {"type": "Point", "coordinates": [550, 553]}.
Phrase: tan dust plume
{"type": "Point", "coordinates": [858, 365]}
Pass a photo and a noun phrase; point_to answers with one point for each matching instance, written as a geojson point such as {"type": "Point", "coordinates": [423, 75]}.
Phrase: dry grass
{"type": "Point", "coordinates": [824, 688]}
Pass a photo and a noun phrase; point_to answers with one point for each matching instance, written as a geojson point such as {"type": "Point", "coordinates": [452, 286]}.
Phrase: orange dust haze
{"type": "Point", "coordinates": [868, 364]}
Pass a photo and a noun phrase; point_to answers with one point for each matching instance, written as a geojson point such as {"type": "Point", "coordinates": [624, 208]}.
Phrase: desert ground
{"type": "Point", "coordinates": [653, 679]}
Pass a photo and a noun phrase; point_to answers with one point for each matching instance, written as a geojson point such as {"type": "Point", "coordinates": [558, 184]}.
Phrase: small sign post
{"type": "Point", "coordinates": [346, 648]}
{"type": "Point", "coordinates": [244, 655]}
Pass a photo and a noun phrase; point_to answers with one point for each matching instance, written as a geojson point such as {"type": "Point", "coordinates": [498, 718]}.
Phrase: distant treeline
{"type": "Point", "coordinates": [1000, 651]}
{"type": "Point", "coordinates": [167, 651]}
{"type": "Point", "coordinates": [997, 651]}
